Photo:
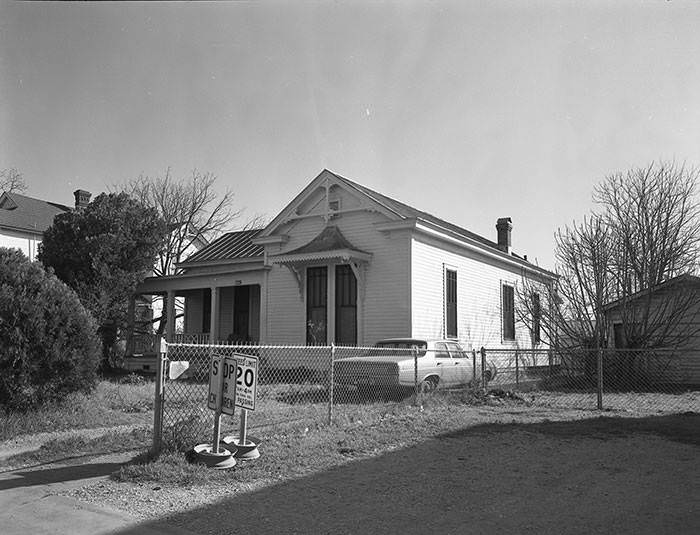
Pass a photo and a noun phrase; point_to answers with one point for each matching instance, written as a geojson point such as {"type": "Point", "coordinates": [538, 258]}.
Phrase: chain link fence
{"type": "Point", "coordinates": [316, 385]}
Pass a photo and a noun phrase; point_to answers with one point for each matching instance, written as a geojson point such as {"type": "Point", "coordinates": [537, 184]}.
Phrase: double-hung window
{"type": "Point", "coordinates": [450, 303]}
{"type": "Point", "coordinates": [536, 318]}
{"type": "Point", "coordinates": [508, 311]}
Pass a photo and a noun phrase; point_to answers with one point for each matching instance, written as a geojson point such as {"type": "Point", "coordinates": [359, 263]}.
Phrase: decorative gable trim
{"type": "Point", "coordinates": [325, 179]}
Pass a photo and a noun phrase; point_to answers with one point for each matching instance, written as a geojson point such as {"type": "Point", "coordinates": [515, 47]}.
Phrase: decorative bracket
{"type": "Point", "coordinates": [299, 276]}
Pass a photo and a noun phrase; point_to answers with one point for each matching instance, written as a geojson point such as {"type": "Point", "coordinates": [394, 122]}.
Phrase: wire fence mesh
{"type": "Point", "coordinates": [314, 385]}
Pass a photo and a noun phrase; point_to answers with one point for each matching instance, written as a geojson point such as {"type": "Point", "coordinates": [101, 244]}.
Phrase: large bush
{"type": "Point", "coordinates": [48, 342]}
{"type": "Point", "coordinates": [103, 252]}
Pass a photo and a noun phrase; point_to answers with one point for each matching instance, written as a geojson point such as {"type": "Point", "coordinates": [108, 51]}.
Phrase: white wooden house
{"type": "Point", "coordinates": [347, 265]}
{"type": "Point", "coordinates": [24, 219]}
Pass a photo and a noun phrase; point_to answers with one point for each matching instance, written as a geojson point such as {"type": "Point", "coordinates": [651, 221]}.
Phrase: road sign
{"type": "Point", "coordinates": [246, 381]}
{"type": "Point", "coordinates": [228, 392]}
{"type": "Point", "coordinates": [216, 378]}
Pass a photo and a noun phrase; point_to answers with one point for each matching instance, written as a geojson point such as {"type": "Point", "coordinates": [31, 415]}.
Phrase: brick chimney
{"type": "Point", "coordinates": [82, 198]}
{"type": "Point", "coordinates": [504, 225]}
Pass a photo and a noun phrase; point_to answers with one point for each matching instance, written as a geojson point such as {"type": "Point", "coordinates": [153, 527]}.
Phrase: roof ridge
{"type": "Point", "coordinates": [426, 215]}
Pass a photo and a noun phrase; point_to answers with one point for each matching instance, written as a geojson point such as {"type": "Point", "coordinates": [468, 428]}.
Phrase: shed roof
{"type": "Point", "coordinates": [19, 212]}
{"type": "Point", "coordinates": [230, 246]}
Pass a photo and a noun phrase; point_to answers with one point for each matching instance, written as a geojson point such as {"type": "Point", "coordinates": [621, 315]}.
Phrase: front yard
{"type": "Point", "coordinates": [501, 464]}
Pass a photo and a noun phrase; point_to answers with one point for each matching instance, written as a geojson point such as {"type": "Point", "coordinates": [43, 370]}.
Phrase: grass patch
{"type": "Point", "coordinates": [292, 449]}
{"type": "Point", "coordinates": [77, 447]}
{"type": "Point", "coordinates": [110, 404]}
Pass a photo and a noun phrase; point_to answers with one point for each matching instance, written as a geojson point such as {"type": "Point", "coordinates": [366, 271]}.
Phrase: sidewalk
{"type": "Point", "coordinates": [28, 503]}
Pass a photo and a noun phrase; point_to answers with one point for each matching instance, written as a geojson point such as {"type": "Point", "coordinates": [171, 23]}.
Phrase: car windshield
{"type": "Point", "coordinates": [382, 347]}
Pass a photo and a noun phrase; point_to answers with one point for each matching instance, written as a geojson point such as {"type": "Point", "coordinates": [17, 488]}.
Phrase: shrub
{"type": "Point", "coordinates": [48, 342]}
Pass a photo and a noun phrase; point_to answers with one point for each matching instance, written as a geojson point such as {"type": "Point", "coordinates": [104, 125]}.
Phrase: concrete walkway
{"type": "Point", "coordinates": [29, 504]}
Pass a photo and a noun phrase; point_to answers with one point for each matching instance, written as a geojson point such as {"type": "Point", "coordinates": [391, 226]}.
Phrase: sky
{"type": "Point", "coordinates": [470, 111]}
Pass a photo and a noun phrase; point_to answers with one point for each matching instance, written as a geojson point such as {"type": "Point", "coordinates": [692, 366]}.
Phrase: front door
{"type": "Point", "coordinates": [241, 313]}
{"type": "Point", "coordinates": [345, 306]}
{"type": "Point", "coordinates": [316, 290]}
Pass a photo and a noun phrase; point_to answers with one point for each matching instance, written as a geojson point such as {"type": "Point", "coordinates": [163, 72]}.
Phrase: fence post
{"type": "Point", "coordinates": [600, 378]}
{"type": "Point", "coordinates": [159, 395]}
{"type": "Point", "coordinates": [415, 376]}
{"type": "Point", "coordinates": [517, 369]}
{"type": "Point", "coordinates": [330, 386]}
{"type": "Point", "coordinates": [483, 369]}
{"type": "Point", "coordinates": [474, 367]}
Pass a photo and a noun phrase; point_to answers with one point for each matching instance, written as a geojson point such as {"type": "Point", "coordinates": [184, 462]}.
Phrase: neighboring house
{"type": "Point", "coordinates": [671, 312]}
{"type": "Point", "coordinates": [347, 265]}
{"type": "Point", "coordinates": [23, 219]}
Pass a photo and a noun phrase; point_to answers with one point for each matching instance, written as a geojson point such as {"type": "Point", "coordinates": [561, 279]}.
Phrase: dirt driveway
{"type": "Point", "coordinates": [602, 475]}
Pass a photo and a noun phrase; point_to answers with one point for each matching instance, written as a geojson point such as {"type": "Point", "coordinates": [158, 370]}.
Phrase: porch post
{"type": "Point", "coordinates": [170, 325]}
{"type": "Point", "coordinates": [263, 309]}
{"type": "Point", "coordinates": [214, 317]}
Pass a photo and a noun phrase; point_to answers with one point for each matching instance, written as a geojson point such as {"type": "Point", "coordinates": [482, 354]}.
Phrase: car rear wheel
{"type": "Point", "coordinates": [429, 384]}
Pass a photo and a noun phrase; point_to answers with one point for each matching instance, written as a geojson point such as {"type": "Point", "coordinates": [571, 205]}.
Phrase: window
{"type": "Point", "coordinates": [441, 351]}
{"type": "Point", "coordinates": [536, 318]}
{"type": "Point", "coordinates": [508, 311]}
{"type": "Point", "coordinates": [450, 303]}
{"type": "Point", "coordinates": [345, 306]}
{"type": "Point", "coordinates": [316, 299]}
{"type": "Point", "coordinates": [456, 352]}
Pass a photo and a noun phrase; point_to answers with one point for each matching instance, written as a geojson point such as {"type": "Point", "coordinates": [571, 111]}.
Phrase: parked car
{"type": "Point", "coordinates": [392, 363]}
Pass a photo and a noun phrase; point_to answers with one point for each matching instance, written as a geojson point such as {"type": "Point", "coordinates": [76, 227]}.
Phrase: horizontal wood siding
{"type": "Point", "coordinates": [479, 282]}
{"type": "Point", "coordinates": [683, 365]}
{"type": "Point", "coordinates": [386, 308]}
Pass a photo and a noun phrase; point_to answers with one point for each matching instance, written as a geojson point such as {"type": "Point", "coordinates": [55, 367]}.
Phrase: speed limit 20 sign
{"type": "Point", "coordinates": [246, 381]}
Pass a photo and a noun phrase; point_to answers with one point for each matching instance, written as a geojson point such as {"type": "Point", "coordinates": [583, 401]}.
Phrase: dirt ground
{"type": "Point", "coordinates": [517, 475]}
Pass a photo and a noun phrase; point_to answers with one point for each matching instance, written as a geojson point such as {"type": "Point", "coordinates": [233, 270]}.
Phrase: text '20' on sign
{"type": "Point", "coordinates": [222, 384]}
{"type": "Point", "coordinates": [246, 381]}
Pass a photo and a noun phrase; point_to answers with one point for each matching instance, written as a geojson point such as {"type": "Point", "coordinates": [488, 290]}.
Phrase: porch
{"type": "Point", "coordinates": [221, 309]}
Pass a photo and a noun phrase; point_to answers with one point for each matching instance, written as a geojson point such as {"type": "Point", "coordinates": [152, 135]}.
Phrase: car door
{"type": "Point", "coordinates": [443, 361]}
{"type": "Point", "coordinates": [461, 363]}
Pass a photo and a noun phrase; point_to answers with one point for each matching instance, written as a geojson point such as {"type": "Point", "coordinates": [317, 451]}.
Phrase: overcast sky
{"type": "Point", "coordinates": [468, 110]}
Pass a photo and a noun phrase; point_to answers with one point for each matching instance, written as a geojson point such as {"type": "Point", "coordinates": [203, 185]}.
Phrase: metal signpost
{"type": "Point", "coordinates": [222, 392]}
{"type": "Point", "coordinates": [246, 390]}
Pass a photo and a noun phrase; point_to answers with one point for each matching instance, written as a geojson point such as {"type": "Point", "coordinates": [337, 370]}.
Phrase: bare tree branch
{"type": "Point", "coordinates": [12, 181]}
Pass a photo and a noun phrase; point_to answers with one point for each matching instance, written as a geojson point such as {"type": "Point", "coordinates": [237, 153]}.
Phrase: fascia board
{"type": "Point", "coordinates": [466, 242]}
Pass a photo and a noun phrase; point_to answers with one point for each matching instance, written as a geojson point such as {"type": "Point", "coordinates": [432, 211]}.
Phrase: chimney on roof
{"type": "Point", "coordinates": [82, 198]}
{"type": "Point", "coordinates": [504, 225]}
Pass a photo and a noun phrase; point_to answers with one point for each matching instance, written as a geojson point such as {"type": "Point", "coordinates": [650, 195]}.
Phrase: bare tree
{"type": "Point", "coordinates": [628, 265]}
{"type": "Point", "coordinates": [192, 208]}
{"type": "Point", "coordinates": [570, 312]}
{"type": "Point", "coordinates": [654, 216]}
{"type": "Point", "coordinates": [194, 212]}
{"type": "Point", "coordinates": [11, 181]}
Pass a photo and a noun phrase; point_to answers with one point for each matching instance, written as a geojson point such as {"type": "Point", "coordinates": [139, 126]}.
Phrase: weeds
{"type": "Point", "coordinates": [110, 404]}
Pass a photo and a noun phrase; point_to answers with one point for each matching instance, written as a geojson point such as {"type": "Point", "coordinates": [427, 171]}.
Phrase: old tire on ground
{"type": "Point", "coordinates": [204, 454]}
{"type": "Point", "coordinates": [245, 452]}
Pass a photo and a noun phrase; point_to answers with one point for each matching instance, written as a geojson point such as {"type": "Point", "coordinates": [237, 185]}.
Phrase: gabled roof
{"type": "Point", "coordinates": [398, 212]}
{"type": "Point", "coordinates": [685, 282]}
{"type": "Point", "coordinates": [22, 213]}
{"type": "Point", "coordinates": [408, 212]}
{"type": "Point", "coordinates": [230, 246]}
